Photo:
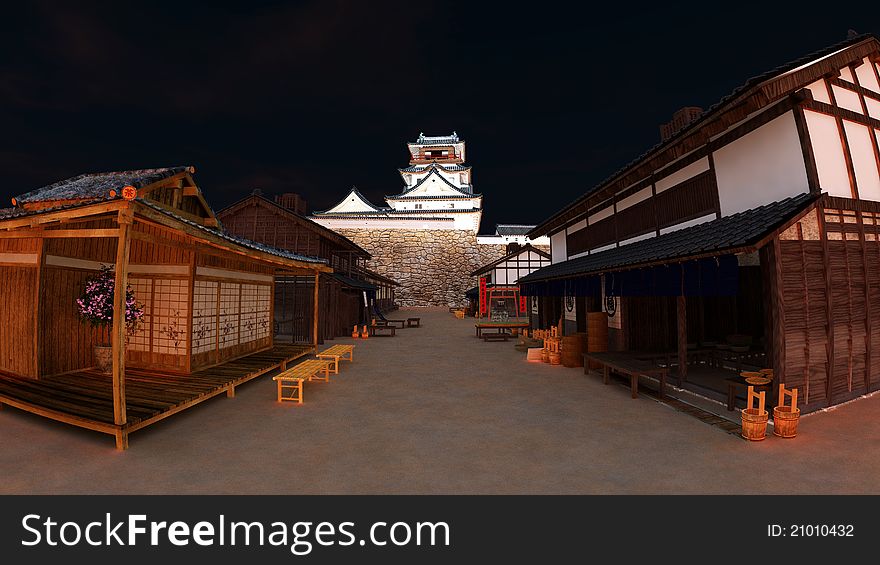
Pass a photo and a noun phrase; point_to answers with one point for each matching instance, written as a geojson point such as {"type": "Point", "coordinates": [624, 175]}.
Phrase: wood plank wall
{"type": "Point", "coordinates": [830, 265]}
{"type": "Point", "coordinates": [339, 309]}
{"type": "Point", "coordinates": [18, 289]}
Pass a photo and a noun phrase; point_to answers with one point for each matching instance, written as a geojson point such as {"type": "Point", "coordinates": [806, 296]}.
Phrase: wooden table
{"type": "Point", "coordinates": [413, 322]}
{"type": "Point", "coordinates": [627, 365]}
{"type": "Point", "coordinates": [500, 327]}
{"type": "Point", "coordinates": [337, 353]}
{"type": "Point", "coordinates": [738, 382]}
{"type": "Point", "coordinates": [378, 331]}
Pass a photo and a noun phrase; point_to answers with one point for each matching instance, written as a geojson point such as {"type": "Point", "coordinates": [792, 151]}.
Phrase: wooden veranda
{"type": "Point", "coordinates": [84, 398]}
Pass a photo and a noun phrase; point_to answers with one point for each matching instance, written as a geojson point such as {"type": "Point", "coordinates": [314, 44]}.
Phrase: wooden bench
{"type": "Point", "coordinates": [413, 322]}
{"type": "Point", "coordinates": [337, 353]}
{"type": "Point", "coordinates": [629, 366]}
{"type": "Point", "coordinates": [293, 378]}
{"type": "Point", "coordinates": [379, 331]}
{"type": "Point", "coordinates": [506, 327]}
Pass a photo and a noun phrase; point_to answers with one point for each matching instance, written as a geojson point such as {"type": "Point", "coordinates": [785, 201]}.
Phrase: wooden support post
{"type": "Point", "coordinates": [118, 333]}
{"type": "Point", "coordinates": [315, 321]}
{"type": "Point", "coordinates": [681, 314]}
{"type": "Point", "coordinates": [121, 440]}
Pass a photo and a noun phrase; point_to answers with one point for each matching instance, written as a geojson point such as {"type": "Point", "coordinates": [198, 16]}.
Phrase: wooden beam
{"type": "Point", "coordinates": [61, 215]}
{"type": "Point", "coordinates": [681, 315]}
{"type": "Point", "coordinates": [84, 233]}
{"type": "Point", "coordinates": [41, 263]}
{"type": "Point", "coordinates": [315, 321]}
{"type": "Point", "coordinates": [829, 306]}
{"type": "Point", "coordinates": [118, 329]}
{"type": "Point", "coordinates": [807, 150]}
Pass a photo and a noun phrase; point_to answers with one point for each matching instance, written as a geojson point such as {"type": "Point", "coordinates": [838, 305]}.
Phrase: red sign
{"type": "Point", "coordinates": [483, 301]}
{"type": "Point", "coordinates": [522, 304]}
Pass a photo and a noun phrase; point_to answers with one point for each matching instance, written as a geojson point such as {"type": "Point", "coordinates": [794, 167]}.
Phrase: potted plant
{"type": "Point", "coordinates": [95, 307]}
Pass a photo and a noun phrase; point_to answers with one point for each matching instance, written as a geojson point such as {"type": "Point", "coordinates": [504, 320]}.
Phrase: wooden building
{"type": "Point", "coordinates": [349, 294]}
{"type": "Point", "coordinates": [206, 295]}
{"type": "Point", "coordinates": [499, 288]}
{"type": "Point", "coordinates": [757, 222]}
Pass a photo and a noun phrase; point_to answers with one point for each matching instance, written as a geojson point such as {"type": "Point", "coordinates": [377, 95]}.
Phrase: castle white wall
{"type": "Point", "coordinates": [873, 108]}
{"type": "Point", "coordinates": [633, 199]}
{"type": "Point", "coordinates": [689, 223]}
{"type": "Point", "coordinates": [828, 151]}
{"type": "Point", "coordinates": [763, 166]}
{"type": "Point", "coordinates": [864, 162]}
{"type": "Point", "coordinates": [352, 203]}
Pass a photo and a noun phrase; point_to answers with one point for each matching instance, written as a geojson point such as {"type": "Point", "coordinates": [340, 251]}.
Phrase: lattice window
{"type": "Point", "coordinates": [170, 315]}
{"type": "Point", "coordinates": [229, 310]}
{"type": "Point", "coordinates": [140, 339]}
{"type": "Point", "coordinates": [204, 336]}
{"type": "Point", "coordinates": [264, 311]}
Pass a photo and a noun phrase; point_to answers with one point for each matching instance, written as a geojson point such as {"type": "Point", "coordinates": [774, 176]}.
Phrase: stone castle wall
{"type": "Point", "coordinates": [433, 267]}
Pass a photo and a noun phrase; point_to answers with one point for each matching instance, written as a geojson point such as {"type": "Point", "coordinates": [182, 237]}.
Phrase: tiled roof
{"type": "Point", "coordinates": [354, 190]}
{"type": "Point", "coordinates": [93, 186]}
{"type": "Point", "coordinates": [437, 139]}
{"type": "Point", "coordinates": [511, 255]}
{"type": "Point", "coordinates": [234, 239]}
{"type": "Point", "coordinates": [512, 229]}
{"type": "Point", "coordinates": [709, 113]}
{"type": "Point", "coordinates": [730, 232]}
{"type": "Point", "coordinates": [421, 168]}
{"type": "Point", "coordinates": [354, 283]}
{"type": "Point", "coordinates": [425, 178]}
{"type": "Point", "coordinates": [405, 196]}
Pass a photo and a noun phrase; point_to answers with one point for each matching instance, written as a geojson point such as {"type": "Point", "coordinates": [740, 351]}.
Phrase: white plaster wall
{"type": "Point", "coordinates": [825, 138]}
{"type": "Point", "coordinates": [577, 226]}
{"type": "Point", "coordinates": [600, 215]}
{"type": "Point", "coordinates": [689, 223]}
{"type": "Point", "coordinates": [558, 247]}
{"type": "Point", "coordinates": [873, 107]}
{"type": "Point", "coordinates": [847, 99]}
{"type": "Point", "coordinates": [684, 174]}
{"type": "Point", "coordinates": [864, 162]}
{"type": "Point", "coordinates": [763, 166]}
{"type": "Point", "coordinates": [352, 203]}
{"type": "Point", "coordinates": [845, 74]}
{"type": "Point", "coordinates": [866, 76]}
{"type": "Point", "coordinates": [820, 91]}
{"type": "Point", "coordinates": [633, 199]}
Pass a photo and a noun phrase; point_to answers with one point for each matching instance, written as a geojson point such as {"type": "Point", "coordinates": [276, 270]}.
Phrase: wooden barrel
{"type": "Point", "coordinates": [785, 421]}
{"type": "Point", "coordinates": [545, 356]}
{"type": "Point", "coordinates": [573, 350]}
{"type": "Point", "coordinates": [597, 334]}
{"type": "Point", "coordinates": [554, 357]}
{"type": "Point", "coordinates": [754, 424]}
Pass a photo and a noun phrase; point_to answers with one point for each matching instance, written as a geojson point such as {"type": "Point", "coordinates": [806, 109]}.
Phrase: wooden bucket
{"type": "Point", "coordinates": [573, 350]}
{"type": "Point", "coordinates": [555, 358]}
{"type": "Point", "coordinates": [534, 354]}
{"type": "Point", "coordinates": [355, 333]}
{"type": "Point", "coordinates": [785, 421]}
{"type": "Point", "coordinates": [785, 418]}
{"type": "Point", "coordinates": [754, 419]}
{"type": "Point", "coordinates": [545, 356]}
{"type": "Point", "coordinates": [754, 424]}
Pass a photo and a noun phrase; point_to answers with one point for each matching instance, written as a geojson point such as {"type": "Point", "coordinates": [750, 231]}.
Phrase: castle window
{"type": "Point", "coordinates": [418, 206]}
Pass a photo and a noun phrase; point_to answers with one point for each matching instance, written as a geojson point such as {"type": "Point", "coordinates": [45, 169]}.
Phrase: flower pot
{"type": "Point", "coordinates": [104, 358]}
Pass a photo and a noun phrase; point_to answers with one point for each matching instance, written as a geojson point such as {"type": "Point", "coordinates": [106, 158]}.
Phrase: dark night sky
{"type": "Point", "coordinates": [314, 97]}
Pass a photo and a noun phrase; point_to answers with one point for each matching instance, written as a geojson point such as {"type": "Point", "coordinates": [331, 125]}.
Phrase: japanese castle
{"type": "Point", "coordinates": [437, 194]}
